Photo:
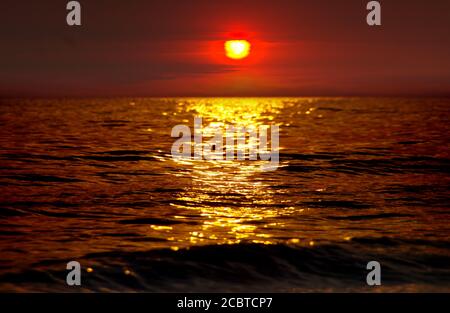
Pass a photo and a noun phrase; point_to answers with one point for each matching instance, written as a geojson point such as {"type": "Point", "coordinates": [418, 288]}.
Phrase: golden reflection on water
{"type": "Point", "coordinates": [227, 194]}
{"type": "Point", "coordinates": [241, 111]}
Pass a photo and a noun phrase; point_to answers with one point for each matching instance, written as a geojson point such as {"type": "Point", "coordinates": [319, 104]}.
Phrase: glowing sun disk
{"type": "Point", "coordinates": [237, 49]}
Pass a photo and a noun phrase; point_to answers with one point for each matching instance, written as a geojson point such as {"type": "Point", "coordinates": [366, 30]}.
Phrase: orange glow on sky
{"type": "Point", "coordinates": [174, 48]}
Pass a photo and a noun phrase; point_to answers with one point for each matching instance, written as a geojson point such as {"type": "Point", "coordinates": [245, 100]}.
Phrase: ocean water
{"type": "Point", "coordinates": [92, 180]}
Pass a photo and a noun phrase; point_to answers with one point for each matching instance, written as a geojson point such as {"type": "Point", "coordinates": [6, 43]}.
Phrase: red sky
{"type": "Point", "coordinates": [174, 48]}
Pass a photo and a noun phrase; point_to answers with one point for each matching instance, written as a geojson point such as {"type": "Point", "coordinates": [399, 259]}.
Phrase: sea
{"type": "Point", "coordinates": [93, 180]}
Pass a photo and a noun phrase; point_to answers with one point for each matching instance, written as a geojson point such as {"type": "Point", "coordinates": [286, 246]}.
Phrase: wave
{"type": "Point", "coordinates": [251, 267]}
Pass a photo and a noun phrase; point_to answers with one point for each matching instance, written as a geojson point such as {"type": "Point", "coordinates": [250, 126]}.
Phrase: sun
{"type": "Point", "coordinates": [237, 49]}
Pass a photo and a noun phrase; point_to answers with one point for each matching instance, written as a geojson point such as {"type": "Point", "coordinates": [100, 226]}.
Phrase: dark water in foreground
{"type": "Point", "coordinates": [360, 179]}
